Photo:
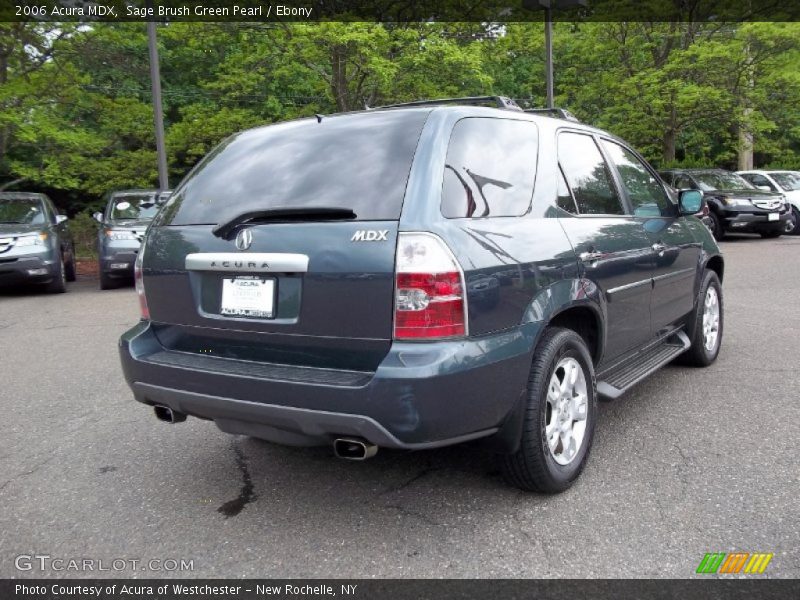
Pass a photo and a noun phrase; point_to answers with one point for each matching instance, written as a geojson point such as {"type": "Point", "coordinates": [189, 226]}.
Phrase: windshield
{"type": "Point", "coordinates": [28, 211]}
{"type": "Point", "coordinates": [790, 182]}
{"type": "Point", "coordinates": [133, 206]}
{"type": "Point", "coordinates": [355, 162]}
{"type": "Point", "coordinates": [721, 180]}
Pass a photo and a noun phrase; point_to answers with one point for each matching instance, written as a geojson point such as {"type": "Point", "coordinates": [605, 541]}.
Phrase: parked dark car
{"type": "Point", "coordinates": [393, 277]}
{"type": "Point", "coordinates": [36, 246]}
{"type": "Point", "coordinates": [734, 203]}
{"type": "Point", "coordinates": [123, 223]}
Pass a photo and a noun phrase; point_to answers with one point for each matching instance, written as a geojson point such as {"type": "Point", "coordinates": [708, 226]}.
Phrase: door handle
{"type": "Point", "coordinates": [589, 257]}
{"type": "Point", "coordinates": [659, 248]}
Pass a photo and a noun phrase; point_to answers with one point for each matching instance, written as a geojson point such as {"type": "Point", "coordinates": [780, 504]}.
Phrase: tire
{"type": "Point", "coordinates": [699, 354]}
{"type": "Point", "coordinates": [769, 235]}
{"type": "Point", "coordinates": [534, 466]}
{"type": "Point", "coordinates": [796, 216]}
{"type": "Point", "coordinates": [70, 273]}
{"type": "Point", "coordinates": [717, 228]}
{"type": "Point", "coordinates": [106, 281]}
{"type": "Point", "coordinates": [59, 283]}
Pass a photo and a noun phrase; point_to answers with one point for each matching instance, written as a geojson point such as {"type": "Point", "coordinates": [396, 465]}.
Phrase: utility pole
{"type": "Point", "coordinates": [158, 109]}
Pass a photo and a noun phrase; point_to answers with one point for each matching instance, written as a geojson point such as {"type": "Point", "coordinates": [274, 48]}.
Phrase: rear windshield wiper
{"type": "Point", "coordinates": [294, 213]}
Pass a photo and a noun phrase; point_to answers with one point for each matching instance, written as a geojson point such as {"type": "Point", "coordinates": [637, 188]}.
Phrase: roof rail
{"type": "Point", "coordinates": [558, 113]}
{"type": "Point", "coordinates": [499, 102]}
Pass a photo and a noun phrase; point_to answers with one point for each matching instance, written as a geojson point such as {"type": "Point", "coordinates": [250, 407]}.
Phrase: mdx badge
{"type": "Point", "coordinates": [243, 239]}
{"type": "Point", "coordinates": [370, 235]}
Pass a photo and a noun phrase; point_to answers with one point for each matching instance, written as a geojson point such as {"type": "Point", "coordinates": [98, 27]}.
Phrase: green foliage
{"type": "Point", "coordinates": [84, 231]}
{"type": "Point", "coordinates": [76, 116]}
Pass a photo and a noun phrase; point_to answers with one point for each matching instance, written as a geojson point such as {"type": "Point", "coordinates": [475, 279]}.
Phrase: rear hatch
{"type": "Point", "coordinates": [280, 246]}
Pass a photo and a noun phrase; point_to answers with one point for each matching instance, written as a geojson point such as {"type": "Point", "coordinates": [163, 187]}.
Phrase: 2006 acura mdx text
{"type": "Point", "coordinates": [419, 276]}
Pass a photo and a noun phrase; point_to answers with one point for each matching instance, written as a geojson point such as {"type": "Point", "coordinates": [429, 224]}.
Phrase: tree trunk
{"type": "Point", "coordinates": [668, 147]}
{"type": "Point", "coordinates": [745, 161]}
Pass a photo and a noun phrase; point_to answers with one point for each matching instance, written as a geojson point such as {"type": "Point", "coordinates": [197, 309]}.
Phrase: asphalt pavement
{"type": "Point", "coordinates": [690, 461]}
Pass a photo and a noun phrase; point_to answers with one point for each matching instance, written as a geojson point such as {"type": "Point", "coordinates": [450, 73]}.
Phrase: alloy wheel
{"type": "Point", "coordinates": [567, 408]}
{"type": "Point", "coordinates": [711, 319]}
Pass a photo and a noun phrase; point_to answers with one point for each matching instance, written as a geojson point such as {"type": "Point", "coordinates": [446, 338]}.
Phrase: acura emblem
{"type": "Point", "coordinates": [244, 239]}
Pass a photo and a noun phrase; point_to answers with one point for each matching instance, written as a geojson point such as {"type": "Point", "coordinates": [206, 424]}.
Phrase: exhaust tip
{"type": "Point", "coordinates": [166, 414]}
{"type": "Point", "coordinates": [354, 449]}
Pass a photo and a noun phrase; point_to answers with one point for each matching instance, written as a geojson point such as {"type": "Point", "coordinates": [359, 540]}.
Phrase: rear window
{"type": "Point", "coordinates": [490, 168]}
{"type": "Point", "coordinates": [359, 162]}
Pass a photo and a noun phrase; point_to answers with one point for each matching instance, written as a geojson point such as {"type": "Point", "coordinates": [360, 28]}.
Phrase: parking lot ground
{"type": "Point", "coordinates": [691, 461]}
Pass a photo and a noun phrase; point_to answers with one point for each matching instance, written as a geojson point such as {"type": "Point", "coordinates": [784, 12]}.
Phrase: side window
{"type": "Point", "coordinates": [682, 182]}
{"type": "Point", "coordinates": [587, 175]}
{"type": "Point", "coordinates": [645, 193]}
{"type": "Point", "coordinates": [565, 200]}
{"type": "Point", "coordinates": [490, 168]}
{"type": "Point", "coordinates": [759, 180]}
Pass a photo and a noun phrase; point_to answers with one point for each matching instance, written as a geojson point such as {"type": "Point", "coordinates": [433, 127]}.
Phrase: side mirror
{"type": "Point", "coordinates": [98, 216]}
{"type": "Point", "coordinates": [60, 219]}
{"type": "Point", "coordinates": [690, 202]}
{"type": "Point", "coordinates": [765, 188]}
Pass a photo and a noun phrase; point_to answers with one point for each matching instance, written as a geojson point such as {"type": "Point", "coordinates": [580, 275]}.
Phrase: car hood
{"type": "Point", "coordinates": [755, 194]}
{"type": "Point", "coordinates": [15, 229]}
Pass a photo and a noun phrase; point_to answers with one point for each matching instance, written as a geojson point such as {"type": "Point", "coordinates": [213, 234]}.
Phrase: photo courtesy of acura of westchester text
{"type": "Point", "coordinates": [399, 299]}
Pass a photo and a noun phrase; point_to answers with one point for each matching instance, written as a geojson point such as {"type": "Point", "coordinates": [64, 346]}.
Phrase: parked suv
{"type": "Point", "coordinates": [783, 182]}
{"type": "Point", "coordinates": [415, 277]}
{"type": "Point", "coordinates": [734, 203]}
{"type": "Point", "coordinates": [36, 246]}
{"type": "Point", "coordinates": [126, 217]}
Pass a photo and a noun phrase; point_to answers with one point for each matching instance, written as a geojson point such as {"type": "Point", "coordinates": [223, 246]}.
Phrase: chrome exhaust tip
{"type": "Point", "coordinates": [353, 449]}
{"type": "Point", "coordinates": [166, 414]}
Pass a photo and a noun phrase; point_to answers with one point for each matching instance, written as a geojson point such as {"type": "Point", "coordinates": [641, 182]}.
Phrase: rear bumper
{"type": "Point", "coordinates": [421, 396]}
{"type": "Point", "coordinates": [23, 270]}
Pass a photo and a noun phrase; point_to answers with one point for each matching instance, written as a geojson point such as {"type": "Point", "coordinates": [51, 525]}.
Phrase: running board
{"type": "Point", "coordinates": [619, 379]}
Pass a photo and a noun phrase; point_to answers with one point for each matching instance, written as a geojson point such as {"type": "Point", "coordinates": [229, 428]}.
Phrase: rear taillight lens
{"type": "Point", "coordinates": [139, 280]}
{"type": "Point", "coordinates": [429, 290]}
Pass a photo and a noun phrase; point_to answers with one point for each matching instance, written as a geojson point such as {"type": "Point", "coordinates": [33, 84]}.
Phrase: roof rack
{"type": "Point", "coordinates": [499, 101]}
{"type": "Point", "coordinates": [558, 113]}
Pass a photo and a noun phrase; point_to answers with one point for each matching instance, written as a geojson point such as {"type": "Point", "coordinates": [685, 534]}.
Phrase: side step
{"type": "Point", "coordinates": [620, 378]}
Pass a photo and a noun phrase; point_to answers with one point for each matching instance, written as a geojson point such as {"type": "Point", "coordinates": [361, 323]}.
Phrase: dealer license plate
{"type": "Point", "coordinates": [252, 297]}
{"type": "Point", "coordinates": [773, 217]}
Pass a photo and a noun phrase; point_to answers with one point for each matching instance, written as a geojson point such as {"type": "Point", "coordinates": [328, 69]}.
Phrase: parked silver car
{"type": "Point", "coordinates": [35, 243]}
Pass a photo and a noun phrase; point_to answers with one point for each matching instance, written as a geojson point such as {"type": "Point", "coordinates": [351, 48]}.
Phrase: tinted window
{"type": "Point", "coordinates": [683, 182]}
{"type": "Point", "coordinates": [565, 200]}
{"type": "Point", "coordinates": [788, 181]}
{"type": "Point", "coordinates": [645, 193]}
{"type": "Point", "coordinates": [587, 175]}
{"type": "Point", "coordinates": [490, 168]}
{"type": "Point", "coordinates": [757, 179]}
{"type": "Point", "coordinates": [360, 162]}
{"type": "Point", "coordinates": [721, 180]}
{"type": "Point", "coordinates": [133, 206]}
{"type": "Point", "coordinates": [28, 211]}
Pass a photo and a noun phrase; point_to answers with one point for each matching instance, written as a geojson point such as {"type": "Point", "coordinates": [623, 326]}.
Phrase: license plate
{"type": "Point", "coordinates": [252, 297]}
{"type": "Point", "coordinates": [773, 217]}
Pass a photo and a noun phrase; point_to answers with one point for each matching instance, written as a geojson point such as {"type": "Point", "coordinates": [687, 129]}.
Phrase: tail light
{"type": "Point", "coordinates": [430, 301]}
{"type": "Point", "coordinates": [139, 280]}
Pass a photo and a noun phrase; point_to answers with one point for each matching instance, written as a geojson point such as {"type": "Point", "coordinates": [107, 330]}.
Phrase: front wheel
{"type": "Point", "coordinates": [795, 221]}
{"type": "Point", "coordinates": [717, 228]}
{"type": "Point", "coordinates": [560, 415]}
{"type": "Point", "coordinates": [59, 283]}
{"type": "Point", "coordinates": [708, 322]}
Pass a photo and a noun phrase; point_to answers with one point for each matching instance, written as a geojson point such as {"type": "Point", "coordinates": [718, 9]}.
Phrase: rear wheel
{"type": "Point", "coordinates": [59, 283]}
{"type": "Point", "coordinates": [560, 415]}
{"type": "Point", "coordinates": [708, 324]}
{"type": "Point", "coordinates": [717, 228]}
